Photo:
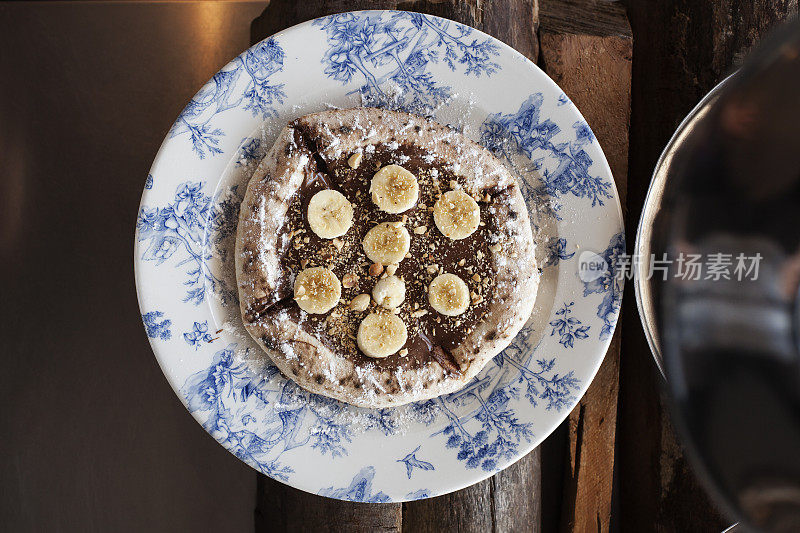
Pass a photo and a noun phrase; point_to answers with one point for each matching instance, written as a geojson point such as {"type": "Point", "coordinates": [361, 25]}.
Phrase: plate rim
{"type": "Point", "coordinates": [525, 447]}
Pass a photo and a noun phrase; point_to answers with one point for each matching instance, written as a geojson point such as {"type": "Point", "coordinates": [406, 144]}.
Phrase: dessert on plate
{"type": "Point", "coordinates": [381, 257]}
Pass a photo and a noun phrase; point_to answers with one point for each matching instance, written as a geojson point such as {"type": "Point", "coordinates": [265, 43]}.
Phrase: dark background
{"type": "Point", "coordinates": [92, 438]}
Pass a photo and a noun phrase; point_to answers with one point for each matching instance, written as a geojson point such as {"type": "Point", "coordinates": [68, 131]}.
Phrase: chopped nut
{"type": "Point", "coordinates": [487, 198]}
{"type": "Point", "coordinates": [355, 160]}
{"type": "Point", "coordinates": [480, 254]}
{"type": "Point", "coordinates": [432, 269]}
{"type": "Point", "coordinates": [478, 300]}
{"type": "Point", "coordinates": [338, 244]}
{"type": "Point", "coordinates": [496, 248]}
{"type": "Point", "coordinates": [419, 230]}
{"type": "Point", "coordinates": [408, 255]}
{"type": "Point", "coordinates": [259, 293]}
{"type": "Point", "coordinates": [462, 262]}
{"type": "Point", "coordinates": [403, 352]}
{"type": "Point", "coordinates": [349, 281]}
{"type": "Point", "coordinates": [476, 277]}
{"type": "Point", "coordinates": [391, 269]}
{"type": "Point", "coordinates": [303, 263]}
{"type": "Point", "coordinates": [360, 302]}
{"type": "Point", "coordinates": [307, 240]}
{"type": "Point", "coordinates": [375, 269]}
{"type": "Point", "coordinates": [419, 313]}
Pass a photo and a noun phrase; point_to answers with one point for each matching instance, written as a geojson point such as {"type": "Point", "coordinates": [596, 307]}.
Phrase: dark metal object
{"type": "Point", "coordinates": [646, 295]}
{"type": "Point", "coordinates": [729, 182]}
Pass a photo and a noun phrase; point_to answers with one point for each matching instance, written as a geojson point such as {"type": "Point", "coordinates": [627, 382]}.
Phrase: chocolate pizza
{"type": "Point", "coordinates": [381, 257]}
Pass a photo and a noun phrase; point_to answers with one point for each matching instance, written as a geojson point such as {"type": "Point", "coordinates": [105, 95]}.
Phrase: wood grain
{"type": "Point", "coordinates": [283, 508]}
{"type": "Point", "coordinates": [517, 495]}
{"type": "Point", "coordinates": [587, 49]}
{"type": "Point", "coordinates": [508, 502]}
{"type": "Point", "coordinates": [469, 509]}
{"type": "Point", "coordinates": [684, 48]}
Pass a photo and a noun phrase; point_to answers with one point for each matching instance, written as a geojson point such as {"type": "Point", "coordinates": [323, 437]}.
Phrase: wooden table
{"type": "Point", "coordinates": [595, 473]}
{"type": "Point", "coordinates": [94, 438]}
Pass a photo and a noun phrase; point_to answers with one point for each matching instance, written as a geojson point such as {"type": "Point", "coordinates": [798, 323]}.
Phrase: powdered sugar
{"type": "Point", "coordinates": [338, 136]}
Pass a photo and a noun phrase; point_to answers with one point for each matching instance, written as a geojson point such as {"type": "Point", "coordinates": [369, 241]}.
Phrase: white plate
{"type": "Point", "coordinates": [187, 224]}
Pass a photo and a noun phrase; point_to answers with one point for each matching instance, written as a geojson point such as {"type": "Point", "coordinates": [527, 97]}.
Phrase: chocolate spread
{"type": "Point", "coordinates": [430, 334]}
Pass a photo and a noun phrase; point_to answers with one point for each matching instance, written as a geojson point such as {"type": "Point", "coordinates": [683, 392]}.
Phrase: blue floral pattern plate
{"type": "Point", "coordinates": [187, 225]}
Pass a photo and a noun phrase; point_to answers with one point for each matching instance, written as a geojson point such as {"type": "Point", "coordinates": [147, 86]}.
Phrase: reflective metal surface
{"type": "Point", "coordinates": [646, 292]}
{"type": "Point", "coordinates": [727, 186]}
{"type": "Point", "coordinates": [94, 439]}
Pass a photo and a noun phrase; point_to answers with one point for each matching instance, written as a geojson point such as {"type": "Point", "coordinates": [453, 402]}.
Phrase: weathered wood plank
{"type": "Point", "coordinates": [508, 502]}
{"type": "Point", "coordinates": [517, 495]}
{"type": "Point", "coordinates": [683, 48]}
{"type": "Point", "coordinates": [466, 510]}
{"type": "Point", "coordinates": [282, 508]}
{"type": "Point", "coordinates": [511, 500]}
{"type": "Point", "coordinates": [587, 48]}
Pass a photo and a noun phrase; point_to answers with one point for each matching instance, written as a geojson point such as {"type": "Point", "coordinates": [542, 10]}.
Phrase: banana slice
{"type": "Point", "coordinates": [381, 334]}
{"type": "Point", "coordinates": [389, 292]}
{"type": "Point", "coordinates": [330, 214]}
{"type": "Point", "coordinates": [456, 215]}
{"type": "Point", "coordinates": [448, 294]}
{"type": "Point", "coordinates": [317, 290]}
{"type": "Point", "coordinates": [387, 243]}
{"type": "Point", "coordinates": [394, 189]}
